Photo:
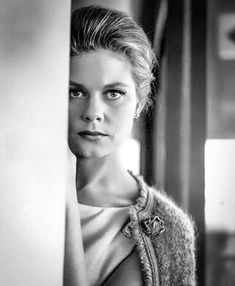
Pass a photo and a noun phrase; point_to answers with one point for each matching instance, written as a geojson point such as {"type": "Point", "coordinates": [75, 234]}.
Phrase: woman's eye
{"type": "Point", "coordinates": [76, 94]}
{"type": "Point", "coordinates": [114, 94]}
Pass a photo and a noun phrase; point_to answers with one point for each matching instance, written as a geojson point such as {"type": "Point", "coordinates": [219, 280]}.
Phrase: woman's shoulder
{"type": "Point", "coordinates": [153, 201]}
{"type": "Point", "coordinates": [176, 245]}
{"type": "Point", "coordinates": [170, 212]}
{"type": "Point", "coordinates": [167, 231]}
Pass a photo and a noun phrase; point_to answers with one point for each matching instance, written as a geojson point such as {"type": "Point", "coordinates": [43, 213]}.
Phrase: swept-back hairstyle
{"type": "Point", "coordinates": [95, 27]}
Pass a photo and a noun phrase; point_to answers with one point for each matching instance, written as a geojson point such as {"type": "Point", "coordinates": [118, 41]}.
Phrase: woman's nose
{"type": "Point", "coordinates": [93, 111]}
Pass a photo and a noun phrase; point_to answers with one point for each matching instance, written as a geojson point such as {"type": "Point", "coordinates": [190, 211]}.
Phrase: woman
{"type": "Point", "coordinates": [132, 233]}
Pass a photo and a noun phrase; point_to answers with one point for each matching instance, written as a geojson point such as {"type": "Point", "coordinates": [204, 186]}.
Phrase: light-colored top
{"type": "Point", "coordinates": [105, 246]}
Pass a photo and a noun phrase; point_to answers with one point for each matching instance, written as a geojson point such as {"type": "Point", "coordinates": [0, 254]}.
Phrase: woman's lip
{"type": "Point", "coordinates": [91, 133]}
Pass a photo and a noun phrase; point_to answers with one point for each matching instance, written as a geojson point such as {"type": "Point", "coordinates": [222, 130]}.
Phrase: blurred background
{"type": "Point", "coordinates": [185, 144]}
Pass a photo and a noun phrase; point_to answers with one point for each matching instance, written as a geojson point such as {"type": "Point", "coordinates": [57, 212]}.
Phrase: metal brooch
{"type": "Point", "coordinates": [152, 225]}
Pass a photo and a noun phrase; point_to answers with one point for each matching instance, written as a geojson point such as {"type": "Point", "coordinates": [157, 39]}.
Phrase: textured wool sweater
{"type": "Point", "coordinates": [164, 238]}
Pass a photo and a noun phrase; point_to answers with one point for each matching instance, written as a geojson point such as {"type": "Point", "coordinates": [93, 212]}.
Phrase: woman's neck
{"type": "Point", "coordinates": [105, 182]}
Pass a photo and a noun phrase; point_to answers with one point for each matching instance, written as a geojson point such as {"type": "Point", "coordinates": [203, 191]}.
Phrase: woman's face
{"type": "Point", "coordinates": [102, 103]}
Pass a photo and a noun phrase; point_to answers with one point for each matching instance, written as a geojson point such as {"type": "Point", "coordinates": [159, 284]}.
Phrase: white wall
{"type": "Point", "coordinates": [34, 49]}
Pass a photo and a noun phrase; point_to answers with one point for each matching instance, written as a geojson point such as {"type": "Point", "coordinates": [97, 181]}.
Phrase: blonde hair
{"type": "Point", "coordinates": [95, 27]}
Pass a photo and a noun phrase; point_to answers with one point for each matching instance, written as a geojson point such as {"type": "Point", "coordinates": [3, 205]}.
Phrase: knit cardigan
{"type": "Point", "coordinates": [164, 238]}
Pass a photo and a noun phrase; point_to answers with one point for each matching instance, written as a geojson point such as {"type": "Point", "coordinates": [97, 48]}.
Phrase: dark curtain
{"type": "Point", "coordinates": [174, 131]}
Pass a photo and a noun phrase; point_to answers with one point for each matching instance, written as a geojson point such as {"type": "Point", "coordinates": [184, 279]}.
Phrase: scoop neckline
{"type": "Point", "coordinates": [119, 207]}
{"type": "Point", "coordinates": [104, 207]}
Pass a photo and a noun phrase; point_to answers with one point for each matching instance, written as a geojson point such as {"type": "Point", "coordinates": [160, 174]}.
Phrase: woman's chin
{"type": "Point", "coordinates": [89, 153]}
{"type": "Point", "coordinates": [92, 151]}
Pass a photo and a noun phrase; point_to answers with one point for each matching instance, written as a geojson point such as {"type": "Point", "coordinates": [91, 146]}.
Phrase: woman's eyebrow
{"type": "Point", "coordinates": [115, 84]}
{"type": "Point", "coordinates": [79, 85]}
{"type": "Point", "coordinates": [111, 85]}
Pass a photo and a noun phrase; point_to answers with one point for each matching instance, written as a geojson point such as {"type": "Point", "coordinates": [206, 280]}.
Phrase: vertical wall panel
{"type": "Point", "coordinates": [34, 49]}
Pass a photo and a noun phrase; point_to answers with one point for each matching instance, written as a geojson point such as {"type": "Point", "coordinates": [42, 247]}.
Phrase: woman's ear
{"type": "Point", "coordinates": [136, 114]}
{"type": "Point", "coordinates": [138, 109]}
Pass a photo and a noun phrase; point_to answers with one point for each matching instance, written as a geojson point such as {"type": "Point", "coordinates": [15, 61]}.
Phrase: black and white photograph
{"type": "Point", "coordinates": [117, 144]}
